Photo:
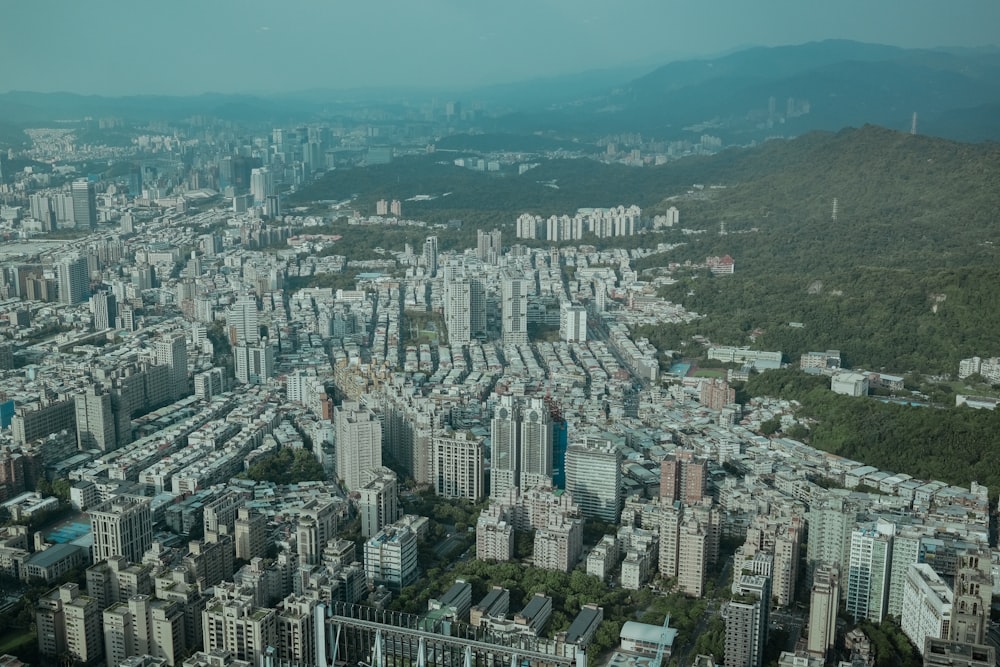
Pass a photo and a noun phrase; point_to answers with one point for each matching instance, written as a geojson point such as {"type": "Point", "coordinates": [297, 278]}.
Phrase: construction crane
{"type": "Point", "coordinates": [663, 642]}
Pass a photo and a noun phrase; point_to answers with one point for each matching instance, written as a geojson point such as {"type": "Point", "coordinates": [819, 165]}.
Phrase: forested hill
{"type": "Point", "coordinates": [904, 279]}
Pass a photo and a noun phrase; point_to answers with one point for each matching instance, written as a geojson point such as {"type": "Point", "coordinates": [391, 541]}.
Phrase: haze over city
{"type": "Point", "coordinates": [111, 47]}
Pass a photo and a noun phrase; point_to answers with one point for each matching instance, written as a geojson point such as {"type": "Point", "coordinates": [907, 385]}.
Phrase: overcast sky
{"type": "Point", "coordinates": [263, 46]}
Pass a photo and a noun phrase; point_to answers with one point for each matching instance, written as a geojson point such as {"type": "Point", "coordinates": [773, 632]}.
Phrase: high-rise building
{"type": "Point", "coordinates": [823, 601]}
{"type": "Point", "coordinates": [683, 477]}
{"type": "Point", "coordinates": [95, 420]}
{"type": "Point", "coordinates": [521, 444]}
{"type": "Point", "coordinates": [84, 203]}
{"type": "Point", "coordinates": [378, 501]}
{"type": "Point", "coordinates": [927, 605]}
{"type": "Point", "coordinates": [231, 622]}
{"type": "Point", "coordinates": [868, 571]}
{"type": "Point", "coordinates": [970, 615]}
{"type": "Point", "coordinates": [243, 320]}
{"type": "Point", "coordinates": [747, 622]}
{"type": "Point", "coordinates": [594, 478]}
{"type": "Point", "coordinates": [457, 310]}
{"type": "Point", "coordinates": [489, 246]}
{"type": "Point", "coordinates": [172, 353]}
{"type": "Point", "coordinates": [254, 362]}
{"type": "Point", "coordinates": [69, 624]}
{"type": "Point", "coordinates": [142, 625]}
{"type": "Point", "coordinates": [123, 526]}
{"type": "Point", "coordinates": [514, 290]}
{"type": "Point", "coordinates": [431, 256]}
{"type": "Point", "coordinates": [457, 467]}
{"type": "Point", "coordinates": [250, 534]}
{"type": "Point", "coordinates": [74, 280]}
{"type": "Point", "coordinates": [104, 309]}
{"type": "Point", "coordinates": [261, 185]}
{"type": "Point", "coordinates": [296, 629]}
{"type": "Point", "coordinates": [316, 525]}
{"type": "Point", "coordinates": [572, 322]}
{"type": "Point", "coordinates": [358, 434]}
{"type": "Point", "coordinates": [390, 558]}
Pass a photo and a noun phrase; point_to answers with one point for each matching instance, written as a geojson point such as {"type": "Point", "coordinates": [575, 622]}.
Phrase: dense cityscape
{"type": "Point", "coordinates": [211, 458]}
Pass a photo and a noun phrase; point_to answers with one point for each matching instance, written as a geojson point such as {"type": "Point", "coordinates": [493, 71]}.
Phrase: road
{"type": "Point", "coordinates": [712, 608]}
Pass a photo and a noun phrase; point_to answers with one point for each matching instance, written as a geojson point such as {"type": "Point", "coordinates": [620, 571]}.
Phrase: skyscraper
{"type": "Point", "coordinates": [172, 352]}
{"type": "Point", "coordinates": [514, 308]}
{"type": "Point", "coordinates": [457, 311]}
{"type": "Point", "coordinates": [261, 185]}
{"type": "Point", "coordinates": [84, 203]}
{"type": "Point", "coordinates": [521, 445]}
{"type": "Point", "coordinates": [594, 478]}
{"type": "Point", "coordinates": [431, 256]}
{"type": "Point", "coordinates": [358, 442]}
{"type": "Point", "coordinates": [95, 422]}
{"type": "Point", "coordinates": [868, 571]}
{"type": "Point", "coordinates": [254, 362]}
{"type": "Point", "coordinates": [823, 602]}
{"type": "Point", "coordinates": [104, 309]}
{"type": "Point", "coordinates": [572, 322]}
{"type": "Point", "coordinates": [123, 526]}
{"type": "Point", "coordinates": [378, 503]}
{"type": "Point", "coordinates": [746, 622]}
{"type": "Point", "coordinates": [457, 468]}
{"type": "Point", "coordinates": [488, 246]}
{"type": "Point", "coordinates": [243, 320]}
{"type": "Point", "coordinates": [970, 615]}
{"type": "Point", "coordinates": [74, 280]}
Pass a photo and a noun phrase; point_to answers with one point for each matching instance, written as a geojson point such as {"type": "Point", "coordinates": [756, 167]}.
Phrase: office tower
{"type": "Point", "coordinates": [970, 615]}
{"type": "Point", "coordinates": [95, 420]}
{"type": "Point", "coordinates": [927, 606]}
{"type": "Point", "coordinates": [457, 310]}
{"type": "Point", "coordinates": [378, 501]}
{"type": "Point", "coordinates": [457, 466]}
{"type": "Point", "coordinates": [572, 322]}
{"type": "Point", "coordinates": [431, 256]}
{"type": "Point", "coordinates": [868, 571]}
{"type": "Point", "coordinates": [488, 246]}
{"type": "Point", "coordinates": [358, 434]}
{"type": "Point", "coordinates": [104, 309]}
{"type": "Point", "coordinates": [594, 478]}
{"type": "Point", "coordinates": [69, 625]}
{"type": "Point", "coordinates": [172, 353]}
{"type": "Point", "coordinates": [84, 203]}
{"type": "Point", "coordinates": [261, 185]}
{"type": "Point", "coordinates": [135, 180]}
{"type": "Point", "coordinates": [254, 362]}
{"type": "Point", "coordinates": [746, 622]}
{"type": "Point", "coordinates": [243, 320]}
{"type": "Point", "coordinates": [232, 623]}
{"type": "Point", "coordinates": [123, 526]}
{"type": "Point", "coordinates": [390, 558]}
{"type": "Point", "coordinates": [683, 477]}
{"type": "Point", "coordinates": [823, 601]}
{"type": "Point", "coordinates": [521, 442]}
{"type": "Point", "coordinates": [514, 290]}
{"type": "Point", "coordinates": [74, 280]}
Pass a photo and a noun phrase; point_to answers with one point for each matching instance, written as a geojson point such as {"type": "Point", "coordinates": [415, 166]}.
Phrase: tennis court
{"type": "Point", "coordinates": [68, 532]}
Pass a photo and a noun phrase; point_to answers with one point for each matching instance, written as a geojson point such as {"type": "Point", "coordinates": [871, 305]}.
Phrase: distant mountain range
{"type": "Point", "coordinates": [761, 92]}
{"type": "Point", "coordinates": [747, 95]}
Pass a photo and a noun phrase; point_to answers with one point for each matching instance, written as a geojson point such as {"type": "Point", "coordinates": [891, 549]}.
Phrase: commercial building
{"type": "Point", "coordinates": [123, 526]}
{"type": "Point", "coordinates": [594, 477]}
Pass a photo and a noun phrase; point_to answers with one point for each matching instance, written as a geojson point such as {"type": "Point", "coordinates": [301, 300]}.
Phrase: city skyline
{"type": "Point", "coordinates": [97, 48]}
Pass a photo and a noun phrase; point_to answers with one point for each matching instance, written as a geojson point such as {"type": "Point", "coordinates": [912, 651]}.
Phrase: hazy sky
{"type": "Point", "coordinates": [193, 46]}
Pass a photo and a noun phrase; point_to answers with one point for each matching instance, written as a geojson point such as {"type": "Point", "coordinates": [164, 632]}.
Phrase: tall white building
{"type": "Point", "coordinates": [431, 256]}
{"type": "Point", "coordinates": [103, 308]}
{"type": "Point", "coordinates": [869, 565]}
{"type": "Point", "coordinates": [123, 526]}
{"type": "Point", "coordinates": [572, 322]}
{"type": "Point", "coordinates": [489, 246]}
{"type": "Point", "coordinates": [172, 352]}
{"type": "Point", "coordinates": [514, 289]}
{"type": "Point", "coordinates": [261, 185]}
{"type": "Point", "coordinates": [95, 421]}
{"type": "Point", "coordinates": [254, 362]}
{"type": "Point", "coordinates": [358, 445]}
{"type": "Point", "coordinates": [231, 622]}
{"type": "Point", "coordinates": [243, 320]}
{"type": "Point", "coordinates": [458, 311]}
{"type": "Point", "coordinates": [594, 477]}
{"type": "Point", "coordinates": [73, 278]}
{"type": "Point", "coordinates": [390, 558]}
{"type": "Point", "coordinates": [378, 501]}
{"type": "Point", "coordinates": [824, 600]}
{"type": "Point", "coordinates": [927, 602]}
